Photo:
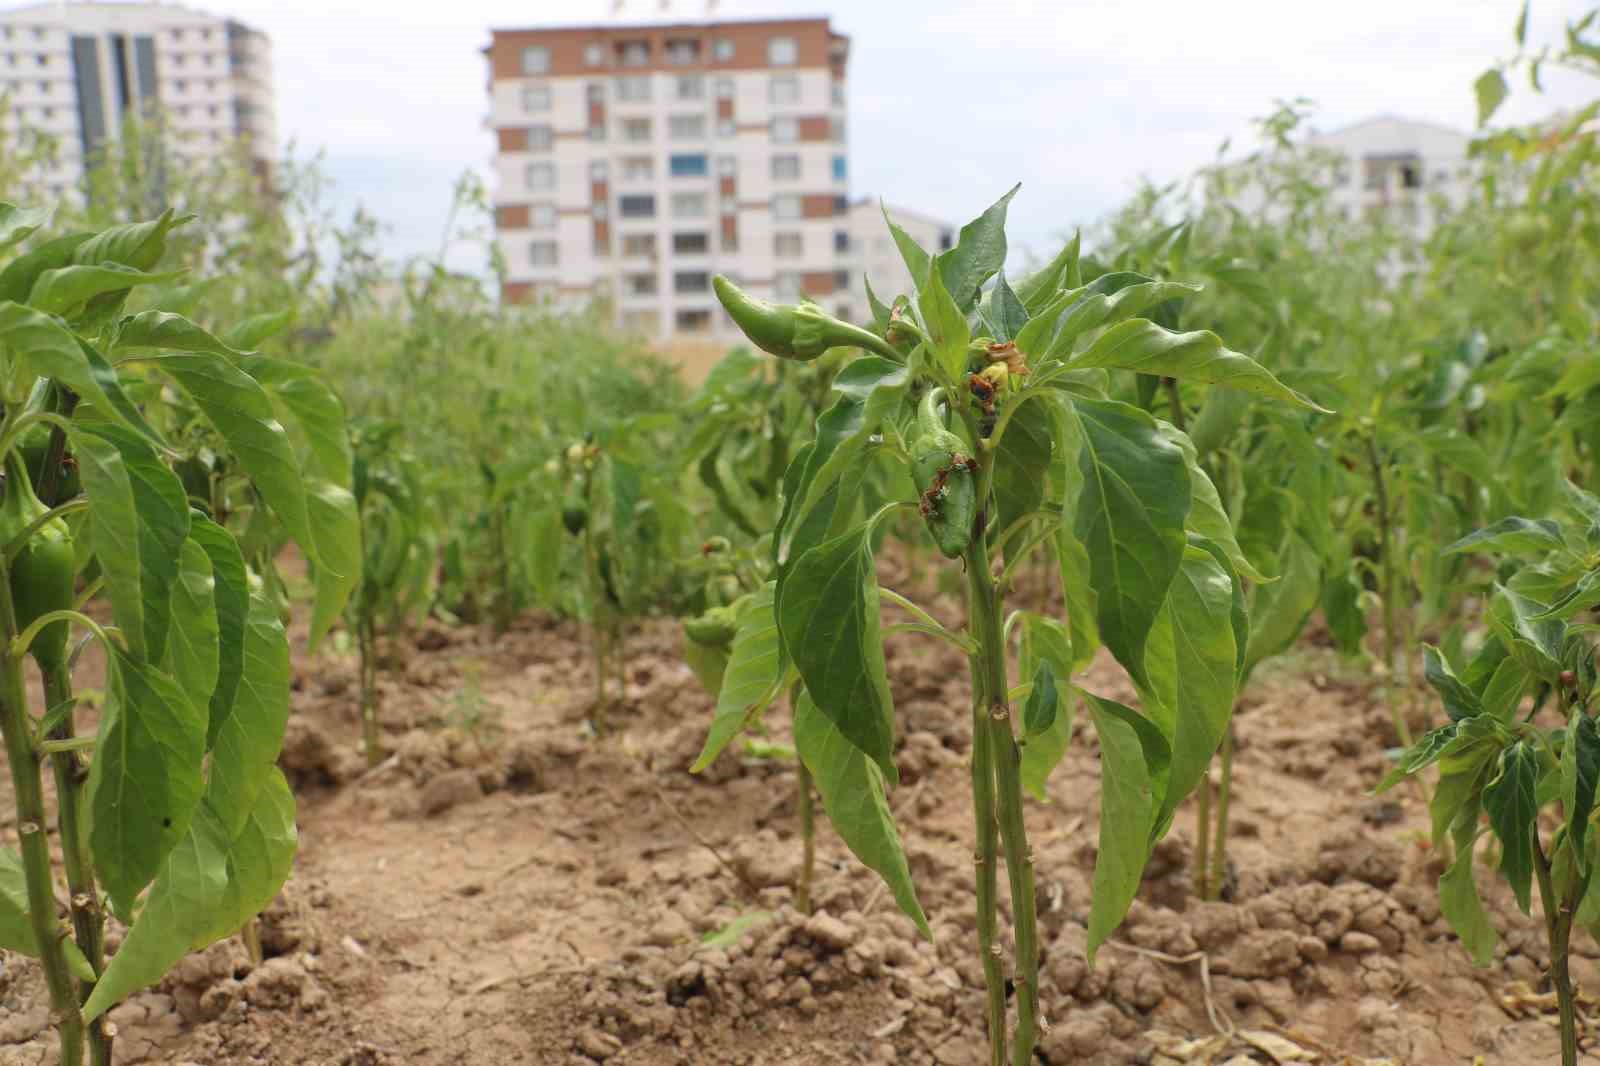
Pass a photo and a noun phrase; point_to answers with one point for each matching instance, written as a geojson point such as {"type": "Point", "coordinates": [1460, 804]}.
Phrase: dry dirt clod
{"type": "Point", "coordinates": [449, 789]}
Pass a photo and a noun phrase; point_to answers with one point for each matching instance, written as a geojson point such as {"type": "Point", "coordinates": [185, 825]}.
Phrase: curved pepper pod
{"type": "Point", "coordinates": [801, 332]}
{"type": "Point", "coordinates": [715, 628]}
{"type": "Point", "coordinates": [42, 575]}
{"type": "Point", "coordinates": [945, 478]}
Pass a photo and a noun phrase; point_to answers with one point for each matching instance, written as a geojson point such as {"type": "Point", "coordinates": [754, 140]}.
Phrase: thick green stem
{"type": "Point", "coordinates": [1174, 401]}
{"type": "Point", "coordinates": [1390, 592]}
{"type": "Point", "coordinates": [367, 639]}
{"type": "Point", "coordinates": [1202, 837]}
{"type": "Point", "coordinates": [1219, 847]}
{"type": "Point", "coordinates": [88, 921]}
{"type": "Point", "coordinates": [1558, 915]}
{"type": "Point", "coordinates": [986, 861]}
{"type": "Point", "coordinates": [808, 840]}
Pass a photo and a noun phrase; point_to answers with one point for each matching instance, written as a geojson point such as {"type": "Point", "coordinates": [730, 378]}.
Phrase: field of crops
{"type": "Point", "coordinates": [1179, 651]}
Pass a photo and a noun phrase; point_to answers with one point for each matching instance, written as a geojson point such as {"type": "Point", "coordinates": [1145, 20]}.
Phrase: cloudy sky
{"type": "Point", "coordinates": [950, 102]}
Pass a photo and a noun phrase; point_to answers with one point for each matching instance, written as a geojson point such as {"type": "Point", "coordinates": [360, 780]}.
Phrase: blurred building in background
{"type": "Point", "coordinates": [633, 162]}
{"type": "Point", "coordinates": [78, 71]}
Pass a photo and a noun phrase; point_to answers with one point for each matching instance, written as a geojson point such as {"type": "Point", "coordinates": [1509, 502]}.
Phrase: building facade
{"type": "Point", "coordinates": [633, 162]}
{"type": "Point", "coordinates": [76, 70]}
{"type": "Point", "coordinates": [878, 258]}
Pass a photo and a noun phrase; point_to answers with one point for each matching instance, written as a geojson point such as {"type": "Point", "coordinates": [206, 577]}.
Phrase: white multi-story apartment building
{"type": "Point", "coordinates": [876, 255]}
{"type": "Point", "coordinates": [76, 70]}
{"type": "Point", "coordinates": [633, 162]}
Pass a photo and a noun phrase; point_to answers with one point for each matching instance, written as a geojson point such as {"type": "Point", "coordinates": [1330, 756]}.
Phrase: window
{"type": "Point", "coordinates": [841, 206]}
{"type": "Point", "coordinates": [782, 51]}
{"type": "Point", "coordinates": [637, 206]}
{"type": "Point", "coordinates": [726, 128]}
{"type": "Point", "coordinates": [785, 130]}
{"type": "Point", "coordinates": [638, 284]}
{"type": "Point", "coordinates": [180, 85]}
{"type": "Point", "coordinates": [722, 50]}
{"type": "Point", "coordinates": [539, 138]}
{"type": "Point", "coordinates": [636, 129]}
{"type": "Point", "coordinates": [634, 89]}
{"type": "Point", "coordinates": [641, 321]}
{"type": "Point", "coordinates": [840, 168]}
{"type": "Point", "coordinates": [541, 176]}
{"type": "Point", "coordinates": [640, 244]}
{"type": "Point", "coordinates": [786, 207]}
{"type": "Point", "coordinates": [594, 91]}
{"type": "Point", "coordinates": [177, 60]}
{"type": "Point", "coordinates": [946, 239]}
{"type": "Point", "coordinates": [724, 88]}
{"type": "Point", "coordinates": [788, 245]}
{"type": "Point", "coordinates": [841, 279]}
{"type": "Point", "coordinates": [838, 94]}
{"type": "Point", "coordinates": [536, 59]}
{"type": "Point", "coordinates": [686, 127]}
{"type": "Point", "coordinates": [597, 132]}
{"type": "Point", "coordinates": [690, 87]}
{"type": "Point", "coordinates": [841, 241]}
{"type": "Point", "coordinates": [542, 216]}
{"type": "Point", "coordinates": [543, 253]}
{"type": "Point", "coordinates": [599, 212]}
{"type": "Point", "coordinates": [785, 168]}
{"type": "Point", "coordinates": [691, 243]}
{"type": "Point", "coordinates": [688, 205]}
{"type": "Point", "coordinates": [691, 281]}
{"type": "Point", "coordinates": [634, 53]}
{"type": "Point", "coordinates": [638, 168]}
{"type": "Point", "coordinates": [598, 170]}
{"type": "Point", "coordinates": [786, 286]}
{"type": "Point", "coordinates": [836, 129]}
{"type": "Point", "coordinates": [693, 321]}
{"type": "Point", "coordinates": [727, 166]}
{"type": "Point", "coordinates": [687, 166]}
{"type": "Point", "coordinates": [683, 53]}
{"type": "Point", "coordinates": [783, 89]}
{"type": "Point", "coordinates": [536, 98]}
{"type": "Point", "coordinates": [594, 55]}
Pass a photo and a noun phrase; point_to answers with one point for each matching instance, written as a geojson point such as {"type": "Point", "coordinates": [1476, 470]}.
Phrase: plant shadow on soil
{"type": "Point", "coordinates": [506, 887]}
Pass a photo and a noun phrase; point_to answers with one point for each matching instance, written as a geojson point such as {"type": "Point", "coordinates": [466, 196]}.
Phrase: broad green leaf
{"type": "Point", "coordinates": [250, 332]}
{"type": "Point", "coordinates": [1077, 593]}
{"type": "Point", "coordinates": [545, 542]}
{"type": "Point", "coordinates": [1509, 801]}
{"type": "Point", "coordinates": [1536, 644]}
{"type": "Point", "coordinates": [1147, 348]}
{"type": "Point", "coordinates": [1006, 313]}
{"type": "Point", "coordinates": [878, 384]}
{"type": "Point", "coordinates": [259, 857]}
{"type": "Point", "coordinates": [1046, 646]}
{"type": "Point", "coordinates": [1131, 512]}
{"type": "Point", "coordinates": [1512, 535]}
{"type": "Point", "coordinates": [1503, 692]}
{"type": "Point", "coordinates": [16, 928]}
{"type": "Point", "coordinates": [162, 330]}
{"type": "Point", "coordinates": [1580, 771]}
{"type": "Point", "coordinates": [1520, 32]}
{"type": "Point", "coordinates": [17, 279]}
{"type": "Point", "coordinates": [145, 779]}
{"type": "Point", "coordinates": [1491, 91]}
{"type": "Point", "coordinates": [41, 345]}
{"type": "Point", "coordinates": [19, 223]}
{"type": "Point", "coordinates": [1427, 750]}
{"type": "Point", "coordinates": [1458, 899]}
{"type": "Point", "coordinates": [1105, 301]}
{"type": "Point", "coordinates": [1278, 611]}
{"type": "Point", "coordinates": [979, 253]}
{"type": "Point", "coordinates": [827, 609]}
{"type": "Point", "coordinates": [1133, 771]}
{"type": "Point", "coordinates": [708, 664]}
{"type": "Point", "coordinates": [250, 732]}
{"type": "Point", "coordinates": [65, 291]}
{"type": "Point", "coordinates": [947, 327]}
{"type": "Point", "coordinates": [916, 260]}
{"type": "Point", "coordinates": [1039, 288]}
{"type": "Point", "coordinates": [1459, 700]}
{"type": "Point", "coordinates": [753, 678]}
{"type": "Point", "coordinates": [1342, 610]}
{"type": "Point", "coordinates": [1201, 675]}
{"type": "Point", "coordinates": [231, 595]}
{"type": "Point", "coordinates": [1207, 517]}
{"type": "Point", "coordinates": [1455, 448]}
{"type": "Point", "coordinates": [1023, 458]}
{"type": "Point", "coordinates": [193, 641]}
{"type": "Point", "coordinates": [138, 522]}
{"type": "Point", "coordinates": [1221, 414]}
{"type": "Point", "coordinates": [852, 790]}
{"type": "Point", "coordinates": [135, 244]}
{"type": "Point", "coordinates": [1039, 713]}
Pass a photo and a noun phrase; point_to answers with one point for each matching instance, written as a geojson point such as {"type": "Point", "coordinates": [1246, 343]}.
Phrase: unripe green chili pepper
{"type": "Point", "coordinates": [574, 509]}
{"type": "Point", "coordinates": [41, 575]}
{"type": "Point", "coordinates": [945, 478]}
{"type": "Point", "coordinates": [794, 331]}
{"type": "Point", "coordinates": [715, 628]}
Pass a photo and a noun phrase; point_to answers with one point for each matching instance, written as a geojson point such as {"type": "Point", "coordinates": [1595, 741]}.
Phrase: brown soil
{"type": "Point", "coordinates": [507, 887]}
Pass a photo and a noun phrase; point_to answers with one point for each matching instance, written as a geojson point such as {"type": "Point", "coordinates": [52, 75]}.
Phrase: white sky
{"type": "Point", "coordinates": [950, 103]}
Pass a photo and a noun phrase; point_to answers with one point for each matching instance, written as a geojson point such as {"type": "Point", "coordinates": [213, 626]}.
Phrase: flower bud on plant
{"type": "Point", "coordinates": [793, 331]}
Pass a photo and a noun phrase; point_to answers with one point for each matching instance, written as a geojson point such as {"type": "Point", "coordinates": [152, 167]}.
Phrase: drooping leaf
{"type": "Point", "coordinates": [1580, 771]}
{"type": "Point", "coordinates": [250, 332]}
{"type": "Point", "coordinates": [19, 223]}
{"type": "Point", "coordinates": [1459, 700]}
{"type": "Point", "coordinates": [249, 733]}
{"type": "Point", "coordinates": [1039, 713]}
{"type": "Point", "coordinates": [1023, 458]}
{"type": "Point", "coordinates": [1509, 801]}
{"type": "Point", "coordinates": [1533, 639]}
{"type": "Point", "coordinates": [852, 791]}
{"type": "Point", "coordinates": [1462, 908]}
{"type": "Point", "coordinates": [66, 290]}
{"type": "Point", "coordinates": [42, 346]}
{"type": "Point", "coordinates": [753, 678]}
{"type": "Point", "coordinates": [16, 928]}
{"type": "Point", "coordinates": [1143, 346]}
{"type": "Point", "coordinates": [193, 642]}
{"type": "Point", "coordinates": [166, 331]}
{"type": "Point", "coordinates": [1511, 535]}
{"type": "Point", "coordinates": [1133, 771]}
{"type": "Point", "coordinates": [1491, 91]}
{"type": "Point", "coordinates": [1206, 514]}
{"type": "Point", "coordinates": [1278, 611]}
{"type": "Point", "coordinates": [1039, 288]}
{"type": "Point", "coordinates": [231, 597]}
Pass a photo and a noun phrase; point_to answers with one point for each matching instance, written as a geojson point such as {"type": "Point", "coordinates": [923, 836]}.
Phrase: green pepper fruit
{"type": "Point", "coordinates": [42, 573]}
{"type": "Point", "coordinates": [715, 628]}
{"type": "Point", "coordinates": [944, 477]}
{"type": "Point", "coordinates": [574, 510]}
{"type": "Point", "coordinates": [794, 331]}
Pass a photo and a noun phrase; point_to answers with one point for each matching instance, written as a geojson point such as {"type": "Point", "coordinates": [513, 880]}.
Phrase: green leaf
{"type": "Point", "coordinates": [1039, 713]}
{"type": "Point", "coordinates": [65, 291]}
{"type": "Point", "coordinates": [145, 780]}
{"type": "Point", "coordinates": [1521, 30]}
{"type": "Point", "coordinates": [1279, 611]}
{"type": "Point", "coordinates": [1039, 288]}
{"type": "Point", "coordinates": [1491, 90]}
{"type": "Point", "coordinates": [827, 609]}
{"type": "Point", "coordinates": [852, 790]}
{"type": "Point", "coordinates": [169, 332]}
{"type": "Point", "coordinates": [1105, 301]}
{"type": "Point", "coordinates": [231, 599]}
{"type": "Point", "coordinates": [1514, 535]}
{"type": "Point", "coordinates": [709, 664]}
{"type": "Point", "coordinates": [1133, 770]}
{"type": "Point", "coordinates": [1022, 458]}
{"type": "Point", "coordinates": [193, 644]}
{"type": "Point", "coordinates": [729, 934]}
{"type": "Point", "coordinates": [1537, 644]}
{"type": "Point", "coordinates": [138, 521]}
{"type": "Point", "coordinates": [139, 245]}
{"type": "Point", "coordinates": [1076, 591]}
{"type": "Point", "coordinates": [1454, 448]}
{"type": "Point", "coordinates": [1509, 801]}
{"type": "Point", "coordinates": [1580, 771]}
{"type": "Point", "coordinates": [1458, 900]}
{"type": "Point", "coordinates": [947, 327]}
{"type": "Point", "coordinates": [250, 730]}
{"type": "Point", "coordinates": [1341, 609]}
{"type": "Point", "coordinates": [42, 346]}
{"type": "Point", "coordinates": [1206, 514]}
{"type": "Point", "coordinates": [17, 279]}
{"type": "Point", "coordinates": [1147, 348]}
{"type": "Point", "coordinates": [250, 332]}
{"type": "Point", "coordinates": [1006, 313]}
{"type": "Point", "coordinates": [19, 223]}
{"type": "Point", "coordinates": [16, 928]}
{"type": "Point", "coordinates": [1046, 647]}
{"type": "Point", "coordinates": [979, 254]}
{"type": "Point", "coordinates": [1427, 750]}
{"type": "Point", "coordinates": [1201, 675]}
{"type": "Point", "coordinates": [1130, 519]}
{"type": "Point", "coordinates": [1459, 700]}
{"type": "Point", "coordinates": [916, 260]}
{"type": "Point", "coordinates": [753, 678]}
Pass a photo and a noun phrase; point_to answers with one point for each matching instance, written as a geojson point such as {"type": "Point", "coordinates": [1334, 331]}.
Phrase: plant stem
{"type": "Point", "coordinates": [1390, 593]}
{"type": "Point", "coordinates": [1174, 401]}
{"type": "Point", "coordinates": [808, 838]}
{"type": "Point", "coordinates": [88, 921]}
{"type": "Point", "coordinates": [1219, 849]}
{"type": "Point", "coordinates": [1202, 836]}
{"type": "Point", "coordinates": [1558, 931]}
{"type": "Point", "coordinates": [367, 640]}
{"type": "Point", "coordinates": [988, 874]}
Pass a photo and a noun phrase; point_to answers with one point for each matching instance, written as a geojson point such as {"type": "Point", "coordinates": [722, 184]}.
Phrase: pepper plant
{"type": "Point", "coordinates": [172, 813]}
{"type": "Point", "coordinates": [995, 400]}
